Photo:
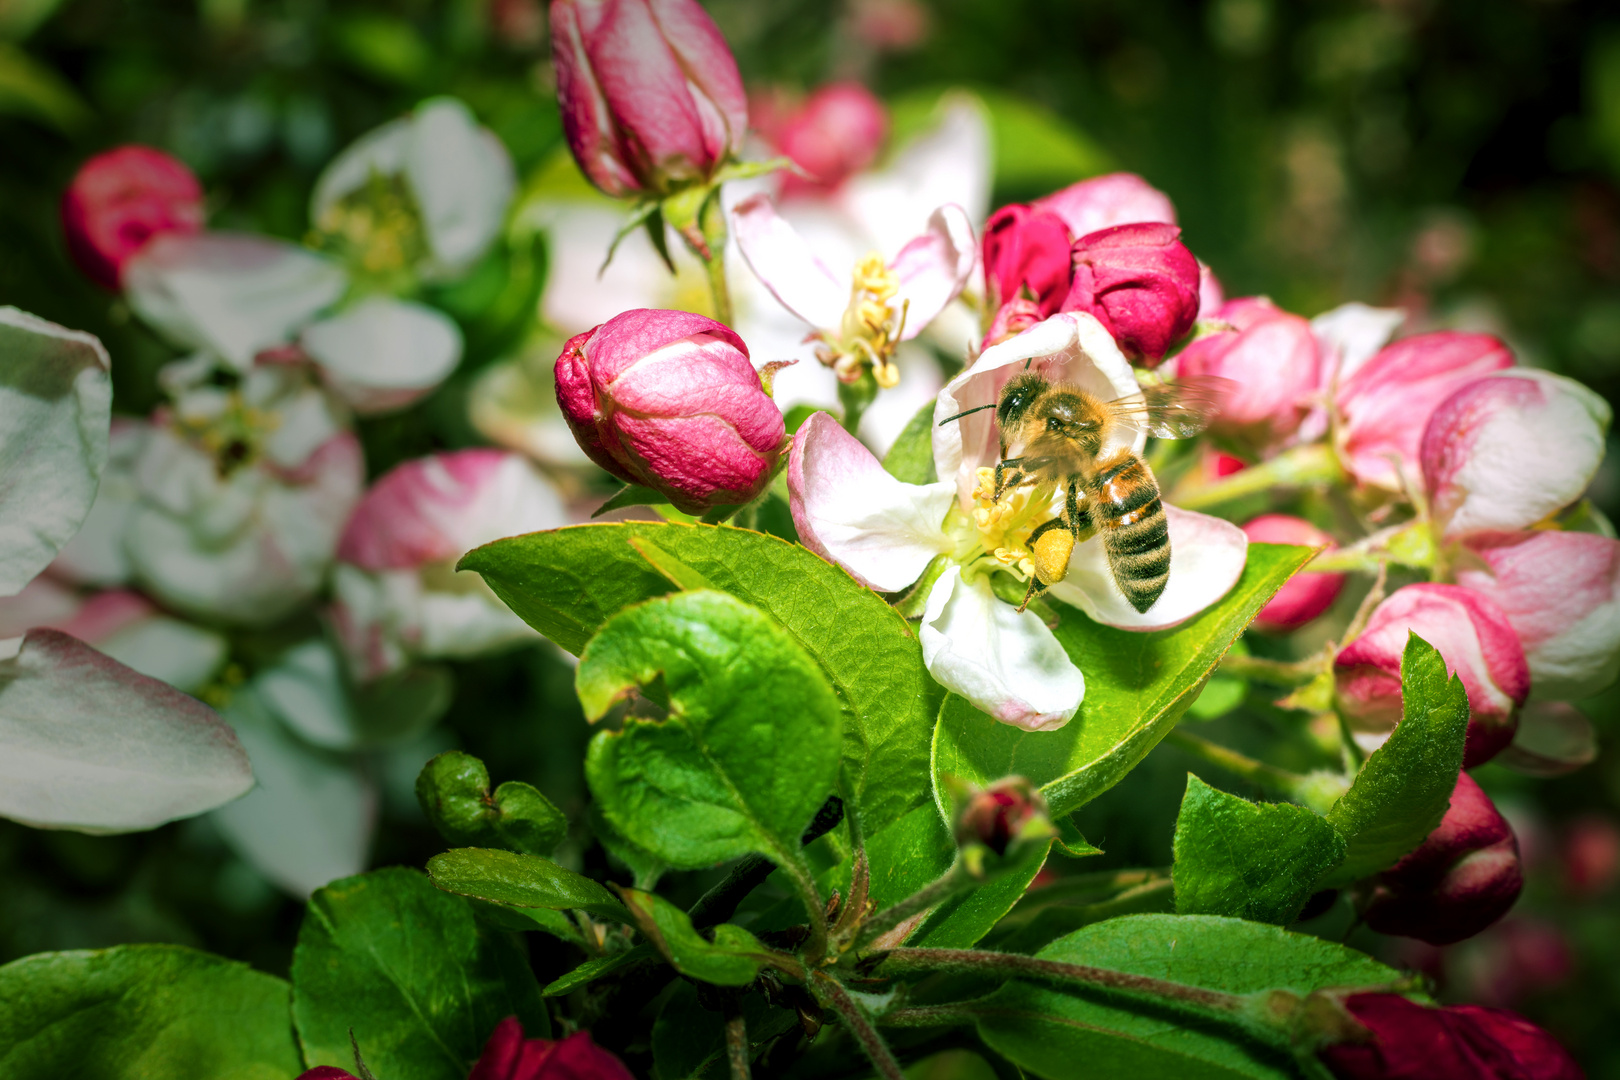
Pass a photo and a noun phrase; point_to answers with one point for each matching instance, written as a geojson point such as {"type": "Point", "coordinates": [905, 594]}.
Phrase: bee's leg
{"type": "Point", "coordinates": [1001, 469]}
{"type": "Point", "coordinates": [1077, 514]}
{"type": "Point", "coordinates": [1035, 587]}
{"type": "Point", "coordinates": [1050, 558]}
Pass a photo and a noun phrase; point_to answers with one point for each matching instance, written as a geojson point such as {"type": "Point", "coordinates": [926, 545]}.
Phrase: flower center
{"type": "Point", "coordinates": [1001, 528]}
{"type": "Point", "coordinates": [870, 330]}
{"type": "Point", "coordinates": [224, 425]}
{"type": "Point", "coordinates": [376, 229]}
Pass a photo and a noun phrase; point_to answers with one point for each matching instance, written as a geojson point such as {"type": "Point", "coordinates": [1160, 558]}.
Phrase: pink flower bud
{"type": "Point", "coordinates": [508, 1056]}
{"type": "Point", "coordinates": [1461, 1042]}
{"type": "Point", "coordinates": [1139, 282]}
{"type": "Point", "coordinates": [1591, 855]}
{"type": "Point", "coordinates": [1460, 880]}
{"type": "Point", "coordinates": [326, 1072]}
{"type": "Point", "coordinates": [669, 400]}
{"type": "Point", "coordinates": [1105, 201]}
{"type": "Point", "coordinates": [999, 816]}
{"type": "Point", "coordinates": [1273, 359]}
{"type": "Point", "coordinates": [650, 95]}
{"type": "Point", "coordinates": [1305, 595]}
{"type": "Point", "coordinates": [836, 133]}
{"type": "Point", "coordinates": [1475, 640]}
{"type": "Point", "coordinates": [121, 199]}
{"type": "Point", "coordinates": [1385, 403]}
{"type": "Point", "coordinates": [1027, 256]}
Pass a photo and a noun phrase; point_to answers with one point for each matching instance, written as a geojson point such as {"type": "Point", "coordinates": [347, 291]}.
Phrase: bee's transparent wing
{"type": "Point", "coordinates": [1175, 410]}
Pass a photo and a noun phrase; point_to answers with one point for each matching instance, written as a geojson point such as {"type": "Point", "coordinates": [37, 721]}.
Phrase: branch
{"type": "Point", "coordinates": [865, 1034]}
{"type": "Point", "coordinates": [737, 1044]}
{"type": "Point", "coordinates": [720, 903]}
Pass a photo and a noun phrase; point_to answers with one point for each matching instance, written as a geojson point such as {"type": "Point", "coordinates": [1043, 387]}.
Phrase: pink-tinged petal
{"type": "Point", "coordinates": [706, 59]}
{"type": "Point", "coordinates": [1071, 348]}
{"type": "Point", "coordinates": [849, 511]}
{"type": "Point", "coordinates": [1105, 201]}
{"type": "Point", "coordinates": [1206, 560]}
{"type": "Point", "coordinates": [55, 412]}
{"type": "Point", "coordinates": [934, 268]}
{"type": "Point", "coordinates": [835, 134]}
{"type": "Point", "coordinates": [1026, 251]}
{"type": "Point", "coordinates": [1554, 739]}
{"type": "Point", "coordinates": [383, 354]}
{"type": "Point", "coordinates": [88, 744]}
{"type": "Point", "coordinates": [44, 601]}
{"type": "Point", "coordinates": [1351, 334]}
{"type": "Point", "coordinates": [1305, 595]}
{"type": "Point", "coordinates": [1273, 364]}
{"type": "Point", "coordinates": [1210, 293]}
{"type": "Point", "coordinates": [1561, 593]}
{"type": "Point", "coordinates": [95, 555]}
{"type": "Point", "coordinates": [1386, 403]}
{"type": "Point", "coordinates": [886, 418]}
{"type": "Point", "coordinates": [786, 266]}
{"type": "Point", "coordinates": [1006, 663]}
{"type": "Point", "coordinates": [587, 121]}
{"type": "Point", "coordinates": [1506, 451]}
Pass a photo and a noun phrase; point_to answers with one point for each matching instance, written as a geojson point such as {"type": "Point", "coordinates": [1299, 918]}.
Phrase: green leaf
{"type": "Point", "coordinates": [632, 495]}
{"type": "Point", "coordinates": [523, 919]}
{"type": "Point", "coordinates": [143, 1012]}
{"type": "Point", "coordinates": [643, 864]}
{"type": "Point", "coordinates": [1069, 903]}
{"type": "Point", "coordinates": [30, 88]}
{"type": "Point", "coordinates": [732, 959]}
{"type": "Point", "coordinates": [521, 881]}
{"type": "Point", "coordinates": [1137, 687]}
{"type": "Point", "coordinates": [567, 582]}
{"type": "Point", "coordinates": [420, 981]}
{"type": "Point", "coordinates": [911, 458]}
{"type": "Point", "coordinates": [689, 1040]}
{"type": "Point", "coordinates": [600, 968]}
{"type": "Point", "coordinates": [962, 920]}
{"type": "Point", "coordinates": [1404, 787]}
{"type": "Point", "coordinates": [1059, 1033]}
{"type": "Point", "coordinates": [750, 749]}
{"type": "Point", "coordinates": [453, 790]}
{"type": "Point", "coordinates": [1250, 861]}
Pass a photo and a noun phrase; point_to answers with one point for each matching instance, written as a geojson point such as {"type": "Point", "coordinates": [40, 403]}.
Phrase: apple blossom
{"type": "Point", "coordinates": [1138, 281]}
{"type": "Point", "coordinates": [398, 593]}
{"type": "Point", "coordinates": [509, 1056]}
{"type": "Point", "coordinates": [859, 321]}
{"type": "Point", "coordinates": [1384, 404]}
{"type": "Point", "coordinates": [669, 400]}
{"type": "Point", "coordinates": [650, 95]}
{"type": "Point", "coordinates": [887, 533]}
{"type": "Point", "coordinates": [1477, 643]}
{"type": "Point", "coordinates": [1463, 877]}
{"type": "Point", "coordinates": [1274, 363]}
{"type": "Point", "coordinates": [1105, 201]}
{"type": "Point", "coordinates": [1305, 595]}
{"type": "Point", "coordinates": [122, 198]}
{"type": "Point", "coordinates": [1460, 1042]}
{"type": "Point", "coordinates": [835, 133]}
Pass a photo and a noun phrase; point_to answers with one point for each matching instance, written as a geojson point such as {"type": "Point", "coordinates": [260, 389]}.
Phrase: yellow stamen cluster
{"type": "Point", "coordinates": [376, 228]}
{"type": "Point", "coordinates": [232, 435]}
{"type": "Point", "coordinates": [1005, 524]}
{"type": "Point", "coordinates": [870, 331]}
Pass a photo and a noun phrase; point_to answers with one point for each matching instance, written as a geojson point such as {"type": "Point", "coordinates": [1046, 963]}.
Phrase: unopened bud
{"type": "Point", "coordinates": [1139, 282]}
{"type": "Point", "coordinates": [1003, 815]}
{"type": "Point", "coordinates": [1274, 364]}
{"type": "Point", "coordinates": [122, 199]}
{"type": "Point", "coordinates": [1462, 1042]}
{"type": "Point", "coordinates": [1305, 595]}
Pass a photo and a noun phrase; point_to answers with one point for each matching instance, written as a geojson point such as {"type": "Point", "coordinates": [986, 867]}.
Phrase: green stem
{"type": "Point", "coordinates": [713, 223]}
{"type": "Point", "coordinates": [855, 397]}
{"type": "Point", "coordinates": [1309, 466]}
{"type": "Point", "coordinates": [1272, 672]}
{"type": "Point", "coordinates": [877, 1050]}
{"type": "Point", "coordinates": [804, 884]}
{"type": "Point", "coordinates": [1256, 772]}
{"type": "Point", "coordinates": [737, 1045]}
{"type": "Point", "coordinates": [951, 881]}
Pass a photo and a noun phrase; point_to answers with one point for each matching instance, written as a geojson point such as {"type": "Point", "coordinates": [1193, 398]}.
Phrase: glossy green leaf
{"type": "Point", "coordinates": [1250, 861]}
{"type": "Point", "coordinates": [1064, 906]}
{"type": "Point", "coordinates": [1063, 1033]}
{"type": "Point", "coordinates": [521, 881]}
{"type": "Point", "coordinates": [600, 968]}
{"type": "Point", "coordinates": [143, 1012]}
{"type": "Point", "coordinates": [961, 921]}
{"type": "Point", "coordinates": [453, 790]}
{"type": "Point", "coordinates": [418, 978]}
{"type": "Point", "coordinates": [911, 458]}
{"type": "Point", "coordinates": [749, 751]}
{"type": "Point", "coordinates": [1137, 686]}
{"type": "Point", "coordinates": [567, 582]}
{"type": "Point", "coordinates": [1404, 786]}
{"type": "Point", "coordinates": [559, 924]}
{"type": "Point", "coordinates": [733, 958]}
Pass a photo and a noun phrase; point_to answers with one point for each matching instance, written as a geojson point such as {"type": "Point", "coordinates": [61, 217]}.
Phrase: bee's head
{"type": "Point", "coordinates": [1016, 399]}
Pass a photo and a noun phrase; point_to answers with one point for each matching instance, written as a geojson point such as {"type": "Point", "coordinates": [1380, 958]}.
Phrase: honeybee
{"type": "Point", "coordinates": [1060, 435]}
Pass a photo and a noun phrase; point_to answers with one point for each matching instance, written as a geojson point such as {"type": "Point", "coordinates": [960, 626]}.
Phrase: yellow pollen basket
{"type": "Point", "coordinates": [1005, 525]}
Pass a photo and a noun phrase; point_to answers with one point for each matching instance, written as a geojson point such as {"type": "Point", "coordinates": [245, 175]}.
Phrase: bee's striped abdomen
{"type": "Point", "coordinates": [1136, 535]}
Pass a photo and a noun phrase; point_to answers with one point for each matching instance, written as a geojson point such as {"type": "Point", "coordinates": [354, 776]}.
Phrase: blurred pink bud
{"type": "Point", "coordinates": [1460, 1042]}
{"type": "Point", "coordinates": [1305, 595]}
{"type": "Point", "coordinates": [1139, 282]}
{"type": "Point", "coordinates": [121, 199]}
{"type": "Point", "coordinates": [1561, 593]}
{"type": "Point", "coordinates": [890, 24]}
{"type": "Point", "coordinates": [1504, 452]}
{"type": "Point", "coordinates": [1512, 960]}
{"type": "Point", "coordinates": [1386, 403]}
{"type": "Point", "coordinates": [836, 133]}
{"type": "Point", "coordinates": [326, 1072]}
{"type": "Point", "coordinates": [1105, 201]}
{"type": "Point", "coordinates": [1475, 640]}
{"type": "Point", "coordinates": [1460, 880]}
{"type": "Point", "coordinates": [1273, 359]}
{"type": "Point", "coordinates": [650, 95]}
{"type": "Point", "coordinates": [669, 400]}
{"type": "Point", "coordinates": [1001, 814]}
{"type": "Point", "coordinates": [1592, 855]}
{"type": "Point", "coordinates": [1210, 294]}
{"type": "Point", "coordinates": [1027, 256]}
{"type": "Point", "coordinates": [508, 1056]}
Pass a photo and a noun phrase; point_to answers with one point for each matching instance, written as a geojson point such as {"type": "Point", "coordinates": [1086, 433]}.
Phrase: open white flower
{"type": "Point", "coordinates": [886, 533]}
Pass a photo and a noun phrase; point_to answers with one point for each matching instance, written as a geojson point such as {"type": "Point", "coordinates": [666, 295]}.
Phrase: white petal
{"type": "Point", "coordinates": [851, 512]}
{"type": "Point", "coordinates": [1206, 560]}
{"type": "Point", "coordinates": [783, 261]}
{"type": "Point", "coordinates": [467, 624]}
{"type": "Point", "coordinates": [513, 403]}
{"type": "Point", "coordinates": [463, 181]}
{"type": "Point", "coordinates": [580, 292]}
{"type": "Point", "coordinates": [380, 150]}
{"type": "Point", "coordinates": [1553, 738]}
{"type": "Point", "coordinates": [230, 293]}
{"type": "Point", "coordinates": [1071, 348]}
{"type": "Point", "coordinates": [55, 410]}
{"type": "Point", "coordinates": [934, 268]}
{"type": "Point", "coordinates": [382, 354]}
{"type": "Point", "coordinates": [887, 417]}
{"type": "Point", "coordinates": [305, 689]}
{"type": "Point", "coordinates": [308, 416]}
{"type": "Point", "coordinates": [181, 654]}
{"type": "Point", "coordinates": [1007, 663]}
{"type": "Point", "coordinates": [88, 744]}
{"type": "Point", "coordinates": [1352, 333]}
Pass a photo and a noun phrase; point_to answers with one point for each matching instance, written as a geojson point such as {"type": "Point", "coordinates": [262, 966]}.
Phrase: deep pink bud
{"type": "Point", "coordinates": [1002, 814]}
{"type": "Point", "coordinates": [1273, 360]}
{"type": "Point", "coordinates": [509, 1056]}
{"type": "Point", "coordinates": [1140, 283]}
{"type": "Point", "coordinates": [669, 400]}
{"type": "Point", "coordinates": [1105, 201]}
{"type": "Point", "coordinates": [1460, 880]}
{"type": "Point", "coordinates": [1305, 595]}
{"type": "Point", "coordinates": [326, 1072]}
{"type": "Point", "coordinates": [121, 199]}
{"type": "Point", "coordinates": [1385, 403]}
{"type": "Point", "coordinates": [1591, 855]}
{"type": "Point", "coordinates": [836, 133]}
{"type": "Point", "coordinates": [1475, 640]}
{"type": "Point", "coordinates": [1027, 256]}
{"type": "Point", "coordinates": [1462, 1042]}
{"type": "Point", "coordinates": [650, 94]}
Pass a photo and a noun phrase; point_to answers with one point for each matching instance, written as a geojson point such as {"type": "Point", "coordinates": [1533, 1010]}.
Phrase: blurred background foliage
{"type": "Point", "coordinates": [1458, 157]}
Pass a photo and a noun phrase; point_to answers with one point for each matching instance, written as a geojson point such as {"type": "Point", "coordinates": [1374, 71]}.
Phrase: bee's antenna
{"type": "Point", "coordinates": [958, 416]}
